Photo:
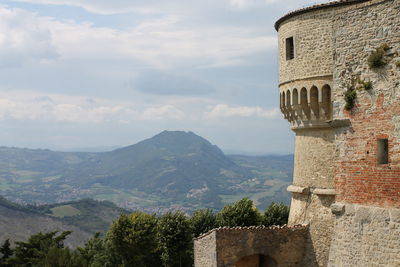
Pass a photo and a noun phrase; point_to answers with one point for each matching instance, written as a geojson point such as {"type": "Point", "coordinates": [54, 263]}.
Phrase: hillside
{"type": "Point", "coordinates": [170, 170]}
{"type": "Point", "coordinates": [89, 215]}
{"type": "Point", "coordinates": [17, 223]}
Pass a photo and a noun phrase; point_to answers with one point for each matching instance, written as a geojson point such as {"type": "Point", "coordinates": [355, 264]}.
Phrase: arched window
{"type": "Point", "coordinates": [314, 101]}
{"type": "Point", "coordinates": [283, 101]}
{"type": "Point", "coordinates": [288, 99]}
{"type": "Point", "coordinates": [295, 97]}
{"type": "Point", "coordinates": [304, 102]}
{"type": "Point", "coordinates": [326, 101]}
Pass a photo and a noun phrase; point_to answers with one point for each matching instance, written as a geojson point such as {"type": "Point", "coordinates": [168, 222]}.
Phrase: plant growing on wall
{"type": "Point", "coordinates": [376, 59]}
{"type": "Point", "coordinates": [364, 85]}
{"type": "Point", "coordinates": [398, 64]}
{"type": "Point", "coordinates": [350, 97]}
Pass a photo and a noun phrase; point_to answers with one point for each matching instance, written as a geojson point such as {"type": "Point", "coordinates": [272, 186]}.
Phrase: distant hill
{"type": "Point", "coordinates": [17, 223]}
{"type": "Point", "coordinates": [178, 170]}
{"type": "Point", "coordinates": [90, 215]}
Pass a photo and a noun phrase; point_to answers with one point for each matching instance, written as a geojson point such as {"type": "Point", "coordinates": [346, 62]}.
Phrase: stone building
{"type": "Point", "coordinates": [339, 82]}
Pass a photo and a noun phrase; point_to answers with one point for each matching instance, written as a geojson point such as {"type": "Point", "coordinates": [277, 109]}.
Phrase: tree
{"type": "Point", "coordinates": [42, 250]}
{"type": "Point", "coordinates": [276, 214]}
{"type": "Point", "coordinates": [134, 239]}
{"type": "Point", "coordinates": [175, 240]}
{"type": "Point", "coordinates": [97, 252]}
{"type": "Point", "coordinates": [6, 253]}
{"type": "Point", "coordinates": [242, 213]}
{"type": "Point", "coordinates": [202, 221]}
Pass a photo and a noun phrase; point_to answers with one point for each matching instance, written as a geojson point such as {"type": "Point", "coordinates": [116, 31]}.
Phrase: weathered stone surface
{"type": "Point", "coordinates": [368, 237]}
{"type": "Point", "coordinates": [338, 208]}
{"type": "Point", "coordinates": [242, 246]}
{"type": "Point", "coordinates": [298, 189]}
{"type": "Point", "coordinates": [323, 191]}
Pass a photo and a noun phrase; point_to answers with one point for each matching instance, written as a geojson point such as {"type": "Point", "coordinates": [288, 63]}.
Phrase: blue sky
{"type": "Point", "coordinates": [84, 74]}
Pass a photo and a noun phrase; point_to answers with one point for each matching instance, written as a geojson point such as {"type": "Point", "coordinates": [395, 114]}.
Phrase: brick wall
{"type": "Point", "coordinates": [360, 29]}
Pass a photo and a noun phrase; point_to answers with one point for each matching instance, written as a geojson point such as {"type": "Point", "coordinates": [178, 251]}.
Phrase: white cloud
{"type": "Point", "coordinates": [23, 39]}
{"type": "Point", "coordinates": [76, 109]}
{"type": "Point", "coordinates": [163, 112]}
{"type": "Point", "coordinates": [161, 43]}
{"type": "Point", "coordinates": [224, 111]}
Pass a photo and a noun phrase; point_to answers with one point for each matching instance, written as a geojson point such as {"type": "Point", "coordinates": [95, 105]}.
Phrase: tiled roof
{"type": "Point", "coordinates": [316, 7]}
{"type": "Point", "coordinates": [262, 227]}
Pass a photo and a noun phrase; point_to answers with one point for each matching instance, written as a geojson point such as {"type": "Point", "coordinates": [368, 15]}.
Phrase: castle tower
{"type": "Point", "coordinates": [305, 83]}
{"type": "Point", "coordinates": [347, 159]}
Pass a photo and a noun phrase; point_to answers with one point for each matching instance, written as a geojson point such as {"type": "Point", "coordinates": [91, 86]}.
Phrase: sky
{"type": "Point", "coordinates": [92, 75]}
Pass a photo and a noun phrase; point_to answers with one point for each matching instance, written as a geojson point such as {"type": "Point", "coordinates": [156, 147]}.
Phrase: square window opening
{"type": "Point", "coordinates": [289, 48]}
{"type": "Point", "coordinates": [383, 151]}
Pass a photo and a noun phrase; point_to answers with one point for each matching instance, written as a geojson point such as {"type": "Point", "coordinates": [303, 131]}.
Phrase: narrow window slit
{"type": "Point", "coordinates": [383, 151]}
{"type": "Point", "coordinates": [289, 48]}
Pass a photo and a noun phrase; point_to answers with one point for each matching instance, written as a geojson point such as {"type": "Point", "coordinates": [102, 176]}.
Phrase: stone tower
{"type": "Point", "coordinates": [345, 158]}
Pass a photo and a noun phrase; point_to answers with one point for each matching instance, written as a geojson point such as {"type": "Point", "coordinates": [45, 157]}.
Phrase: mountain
{"type": "Point", "coordinates": [18, 223]}
{"type": "Point", "coordinates": [170, 170]}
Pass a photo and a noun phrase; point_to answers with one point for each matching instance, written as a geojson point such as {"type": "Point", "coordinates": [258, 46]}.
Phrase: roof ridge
{"type": "Point", "coordinates": [259, 227]}
{"type": "Point", "coordinates": [316, 7]}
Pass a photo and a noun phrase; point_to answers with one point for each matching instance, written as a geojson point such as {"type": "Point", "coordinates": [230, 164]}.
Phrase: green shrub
{"type": "Point", "coordinates": [350, 97]}
{"type": "Point", "coordinates": [364, 85]}
{"type": "Point", "coordinates": [276, 214]}
{"type": "Point", "coordinates": [376, 59]}
{"type": "Point", "coordinates": [367, 85]}
{"type": "Point", "coordinates": [242, 213]}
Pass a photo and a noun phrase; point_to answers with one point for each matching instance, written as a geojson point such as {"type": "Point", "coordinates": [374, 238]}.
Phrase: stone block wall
{"type": "Point", "coordinates": [314, 154]}
{"type": "Point", "coordinates": [278, 246]}
{"type": "Point", "coordinates": [365, 236]}
{"type": "Point", "coordinates": [312, 33]}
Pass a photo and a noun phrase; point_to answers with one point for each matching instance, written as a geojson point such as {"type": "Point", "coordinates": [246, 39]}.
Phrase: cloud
{"type": "Point", "coordinates": [23, 38]}
{"type": "Point", "coordinates": [161, 83]}
{"type": "Point", "coordinates": [225, 111]}
{"type": "Point", "coordinates": [161, 43]}
{"type": "Point", "coordinates": [147, 6]}
{"type": "Point", "coordinates": [76, 109]}
{"type": "Point", "coordinates": [163, 112]}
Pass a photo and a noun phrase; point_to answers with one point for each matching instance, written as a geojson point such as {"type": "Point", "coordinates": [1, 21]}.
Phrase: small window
{"type": "Point", "coordinates": [289, 48]}
{"type": "Point", "coordinates": [383, 151]}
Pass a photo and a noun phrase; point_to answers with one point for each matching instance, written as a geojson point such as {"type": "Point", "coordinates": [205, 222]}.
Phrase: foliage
{"type": "Point", "coordinates": [242, 213]}
{"type": "Point", "coordinates": [6, 253]}
{"type": "Point", "coordinates": [98, 252]}
{"type": "Point", "coordinates": [350, 97]}
{"type": "Point", "coordinates": [175, 240]}
{"type": "Point", "coordinates": [398, 63]}
{"type": "Point", "coordinates": [364, 85]}
{"type": "Point", "coordinates": [202, 221]}
{"type": "Point", "coordinates": [276, 214]}
{"type": "Point", "coordinates": [376, 58]}
{"type": "Point", "coordinates": [42, 250]}
{"type": "Point", "coordinates": [133, 238]}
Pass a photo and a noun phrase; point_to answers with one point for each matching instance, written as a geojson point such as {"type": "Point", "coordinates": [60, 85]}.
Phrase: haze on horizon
{"type": "Point", "coordinates": [77, 74]}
